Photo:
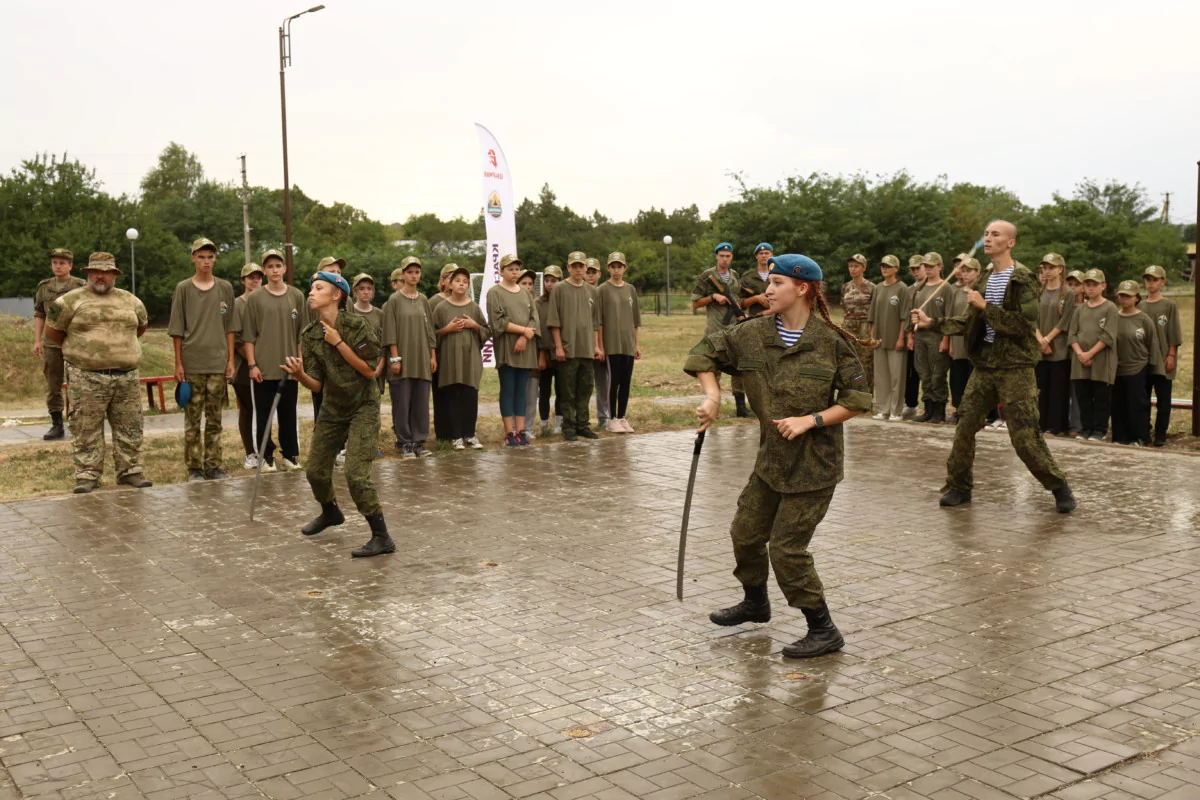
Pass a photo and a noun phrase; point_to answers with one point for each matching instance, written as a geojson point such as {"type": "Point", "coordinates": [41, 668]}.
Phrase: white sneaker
{"type": "Point", "coordinates": [474, 443]}
{"type": "Point", "coordinates": [251, 461]}
{"type": "Point", "coordinates": [626, 426]}
{"type": "Point", "coordinates": [613, 426]}
{"type": "Point", "coordinates": [407, 452]}
{"type": "Point", "coordinates": [895, 418]}
{"type": "Point", "coordinates": [340, 459]}
{"type": "Point", "coordinates": [291, 466]}
{"type": "Point", "coordinates": [909, 411]}
{"type": "Point", "coordinates": [558, 421]}
{"type": "Point", "coordinates": [528, 434]}
{"type": "Point", "coordinates": [458, 444]}
{"type": "Point", "coordinates": [882, 417]}
{"type": "Point", "coordinates": [268, 466]}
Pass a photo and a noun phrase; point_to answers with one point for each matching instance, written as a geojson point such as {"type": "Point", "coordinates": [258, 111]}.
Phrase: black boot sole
{"type": "Point", "coordinates": [388, 549]}
{"type": "Point", "coordinates": [318, 525]}
{"type": "Point", "coordinates": [729, 622]}
{"type": "Point", "coordinates": [830, 647]}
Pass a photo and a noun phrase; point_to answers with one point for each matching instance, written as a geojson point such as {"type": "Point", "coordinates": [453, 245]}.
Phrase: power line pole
{"type": "Point", "coordinates": [245, 210]}
{"type": "Point", "coordinates": [1166, 212]}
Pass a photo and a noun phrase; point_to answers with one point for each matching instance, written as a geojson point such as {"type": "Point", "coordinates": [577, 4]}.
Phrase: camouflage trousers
{"type": "Point", "coordinates": [360, 437]}
{"type": "Point", "coordinates": [209, 397]}
{"type": "Point", "coordinates": [576, 381]}
{"type": "Point", "coordinates": [1016, 390]}
{"type": "Point", "coordinates": [53, 369]}
{"type": "Point", "coordinates": [95, 397]}
{"type": "Point", "coordinates": [932, 366]}
{"type": "Point", "coordinates": [772, 530]}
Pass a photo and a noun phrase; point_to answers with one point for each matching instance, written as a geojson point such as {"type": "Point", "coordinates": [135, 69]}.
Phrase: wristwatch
{"type": "Point", "coordinates": [818, 421]}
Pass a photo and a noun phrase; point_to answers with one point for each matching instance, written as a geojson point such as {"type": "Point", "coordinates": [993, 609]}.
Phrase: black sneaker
{"type": "Point", "coordinates": [195, 476]}
{"type": "Point", "coordinates": [216, 474]}
{"type": "Point", "coordinates": [954, 497]}
{"type": "Point", "coordinates": [1064, 500]}
{"type": "Point", "coordinates": [587, 433]}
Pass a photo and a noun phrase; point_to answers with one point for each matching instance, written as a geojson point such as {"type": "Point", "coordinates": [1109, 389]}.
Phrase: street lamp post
{"type": "Point", "coordinates": [667, 241]}
{"type": "Point", "coordinates": [132, 235]}
{"type": "Point", "coordinates": [285, 58]}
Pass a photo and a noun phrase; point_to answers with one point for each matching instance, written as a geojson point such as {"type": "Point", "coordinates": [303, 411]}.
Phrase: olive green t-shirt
{"type": "Point", "coordinates": [1054, 311]}
{"type": "Point", "coordinates": [620, 317]}
{"type": "Point", "coordinates": [885, 313]}
{"type": "Point", "coordinates": [374, 316]}
{"type": "Point", "coordinates": [344, 390]}
{"type": "Point", "coordinates": [1137, 346]}
{"type": "Point", "coordinates": [408, 325]}
{"type": "Point", "coordinates": [545, 340]}
{"type": "Point", "coordinates": [715, 312]}
{"type": "Point", "coordinates": [272, 323]}
{"type": "Point", "coordinates": [202, 318]}
{"type": "Point", "coordinates": [436, 301]}
{"type": "Point", "coordinates": [937, 307]}
{"type": "Point", "coordinates": [101, 329]}
{"type": "Point", "coordinates": [957, 306]}
{"type": "Point", "coordinates": [1168, 330]}
{"type": "Point", "coordinates": [575, 312]}
{"type": "Point", "coordinates": [236, 321]}
{"type": "Point", "coordinates": [1088, 326]}
{"type": "Point", "coordinates": [516, 307]}
{"type": "Point", "coordinates": [460, 358]}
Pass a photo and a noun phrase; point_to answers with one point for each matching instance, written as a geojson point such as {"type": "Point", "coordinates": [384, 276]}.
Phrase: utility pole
{"type": "Point", "coordinates": [1166, 212]}
{"type": "Point", "coordinates": [245, 210]}
{"type": "Point", "coordinates": [1196, 317]}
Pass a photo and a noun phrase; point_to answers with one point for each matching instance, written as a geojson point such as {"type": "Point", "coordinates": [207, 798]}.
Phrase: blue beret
{"type": "Point", "coordinates": [331, 277]}
{"type": "Point", "coordinates": [763, 246]}
{"type": "Point", "coordinates": [796, 266]}
{"type": "Point", "coordinates": [723, 246]}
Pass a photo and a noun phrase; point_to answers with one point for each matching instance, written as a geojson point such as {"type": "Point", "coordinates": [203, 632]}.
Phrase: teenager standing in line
{"type": "Point", "coordinates": [461, 330]}
{"type": "Point", "coordinates": [620, 319]}
{"type": "Point", "coordinates": [548, 378]}
{"type": "Point", "coordinates": [912, 378]}
{"type": "Point", "coordinates": [574, 322]}
{"type": "Point", "coordinates": [1093, 335]}
{"type": "Point", "coordinates": [886, 319]}
{"type": "Point", "coordinates": [528, 282]}
{"type": "Point", "coordinates": [1169, 332]}
{"type": "Point", "coordinates": [960, 360]}
{"type": "Point", "coordinates": [1074, 281]}
{"type": "Point", "coordinates": [442, 294]}
{"type": "Point", "coordinates": [411, 343]}
{"type": "Point", "coordinates": [1137, 353]}
{"type": "Point", "coordinates": [1056, 304]}
{"type": "Point", "coordinates": [251, 279]}
{"type": "Point", "coordinates": [514, 325]}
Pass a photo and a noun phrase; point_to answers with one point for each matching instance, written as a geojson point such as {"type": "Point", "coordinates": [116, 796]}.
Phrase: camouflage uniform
{"type": "Point", "coordinates": [751, 285]}
{"type": "Point", "coordinates": [856, 303]}
{"type": "Point", "coordinates": [793, 481]}
{"type": "Point", "coordinates": [349, 413]}
{"type": "Point", "coordinates": [715, 313]}
{"type": "Point", "coordinates": [47, 292]}
{"type": "Point", "coordinates": [932, 365]}
{"type": "Point", "coordinates": [1004, 373]}
{"type": "Point", "coordinates": [202, 319]}
{"type": "Point", "coordinates": [209, 398]}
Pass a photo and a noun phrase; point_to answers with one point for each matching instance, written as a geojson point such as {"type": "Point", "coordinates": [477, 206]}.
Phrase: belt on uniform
{"type": "Point", "coordinates": [110, 371]}
{"type": "Point", "coordinates": [856, 318]}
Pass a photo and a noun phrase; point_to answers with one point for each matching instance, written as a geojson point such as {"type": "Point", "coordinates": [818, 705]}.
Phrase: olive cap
{"type": "Point", "coordinates": [359, 278]}
{"type": "Point", "coordinates": [329, 261]}
{"type": "Point", "coordinates": [858, 258]}
{"type": "Point", "coordinates": [1055, 260]}
{"type": "Point", "coordinates": [1131, 288]}
{"type": "Point", "coordinates": [1096, 275]}
{"type": "Point", "coordinates": [272, 253]}
{"type": "Point", "coordinates": [250, 269]}
{"type": "Point", "coordinates": [890, 261]}
{"type": "Point", "coordinates": [931, 259]}
{"type": "Point", "coordinates": [1155, 271]}
{"type": "Point", "coordinates": [510, 258]}
{"type": "Point", "coordinates": [102, 262]}
{"type": "Point", "coordinates": [593, 263]}
{"type": "Point", "coordinates": [969, 263]}
{"type": "Point", "coordinates": [616, 258]}
{"type": "Point", "coordinates": [459, 271]}
{"type": "Point", "coordinates": [397, 275]}
{"type": "Point", "coordinates": [915, 261]}
{"type": "Point", "coordinates": [960, 257]}
{"type": "Point", "coordinates": [576, 257]}
{"type": "Point", "coordinates": [532, 275]}
{"type": "Point", "coordinates": [62, 252]}
{"type": "Point", "coordinates": [554, 271]}
{"type": "Point", "coordinates": [411, 261]}
{"type": "Point", "coordinates": [203, 244]}
{"type": "Point", "coordinates": [446, 270]}
{"type": "Point", "coordinates": [1075, 275]}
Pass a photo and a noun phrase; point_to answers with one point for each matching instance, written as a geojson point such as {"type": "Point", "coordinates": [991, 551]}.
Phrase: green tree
{"type": "Point", "coordinates": [176, 175]}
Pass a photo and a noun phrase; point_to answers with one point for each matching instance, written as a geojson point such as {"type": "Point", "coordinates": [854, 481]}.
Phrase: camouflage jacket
{"type": "Point", "coordinates": [810, 376]}
{"type": "Point", "coordinates": [345, 390]}
{"type": "Point", "coordinates": [1014, 320]}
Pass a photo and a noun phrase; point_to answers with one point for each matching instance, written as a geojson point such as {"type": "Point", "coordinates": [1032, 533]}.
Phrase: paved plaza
{"type": "Point", "coordinates": [525, 641]}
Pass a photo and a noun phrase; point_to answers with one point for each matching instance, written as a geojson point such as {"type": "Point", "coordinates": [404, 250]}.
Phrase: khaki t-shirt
{"type": "Point", "coordinates": [545, 340]}
{"type": "Point", "coordinates": [885, 313]}
{"type": "Point", "coordinates": [1169, 331]}
{"type": "Point", "coordinates": [101, 329]}
{"type": "Point", "coordinates": [47, 292]}
{"type": "Point", "coordinates": [1088, 326]}
{"type": "Point", "coordinates": [1137, 346]}
{"type": "Point", "coordinates": [202, 318]}
{"type": "Point", "coordinates": [620, 317]}
{"type": "Point", "coordinates": [955, 308]}
{"type": "Point", "coordinates": [518, 308]}
{"type": "Point", "coordinates": [575, 312]}
{"type": "Point", "coordinates": [1054, 311]}
{"type": "Point", "coordinates": [272, 323]}
{"type": "Point", "coordinates": [408, 325]}
{"type": "Point", "coordinates": [936, 309]}
{"type": "Point", "coordinates": [460, 359]}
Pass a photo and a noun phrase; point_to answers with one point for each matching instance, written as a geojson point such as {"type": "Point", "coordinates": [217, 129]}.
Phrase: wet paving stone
{"type": "Point", "coordinates": [525, 640]}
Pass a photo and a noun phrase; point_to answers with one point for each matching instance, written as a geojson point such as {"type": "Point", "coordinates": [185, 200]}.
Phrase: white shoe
{"type": "Point", "coordinates": [268, 466]}
{"type": "Point", "coordinates": [290, 466]}
{"type": "Point", "coordinates": [558, 421]}
{"type": "Point", "coordinates": [895, 418]}
{"type": "Point", "coordinates": [251, 461]}
{"type": "Point", "coordinates": [407, 452]}
{"type": "Point", "coordinates": [474, 443]}
{"type": "Point", "coordinates": [528, 434]}
{"type": "Point", "coordinates": [458, 444]}
{"type": "Point", "coordinates": [626, 426]}
{"type": "Point", "coordinates": [340, 459]}
{"type": "Point", "coordinates": [613, 426]}
{"type": "Point", "coordinates": [881, 416]}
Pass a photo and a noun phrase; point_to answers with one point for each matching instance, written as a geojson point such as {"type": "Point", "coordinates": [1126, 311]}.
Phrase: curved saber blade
{"type": "Point", "coordinates": [262, 445]}
{"type": "Point", "coordinates": [687, 512]}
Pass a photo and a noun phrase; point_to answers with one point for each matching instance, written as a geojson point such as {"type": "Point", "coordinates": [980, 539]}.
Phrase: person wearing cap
{"type": "Point", "coordinates": [513, 320]}
{"type": "Point", "coordinates": [549, 380]}
{"type": "Point", "coordinates": [439, 413]}
{"type": "Point", "coordinates": [462, 330]}
{"type": "Point", "coordinates": [443, 292]}
{"type": "Point", "coordinates": [411, 343]}
{"type": "Point", "coordinates": [1092, 336]}
{"type": "Point", "coordinates": [886, 322]}
{"type": "Point", "coordinates": [960, 359]}
{"type": "Point", "coordinates": [98, 327]}
{"type": "Point", "coordinates": [338, 353]}
{"type": "Point", "coordinates": [363, 289]}
{"type": "Point", "coordinates": [251, 279]}
{"type": "Point", "coordinates": [912, 378]}
{"type": "Point", "coordinates": [716, 288]}
{"type": "Point", "coordinates": [201, 328]}
{"type": "Point", "coordinates": [49, 290]}
{"type": "Point", "coordinates": [1074, 282]}
{"type": "Point", "coordinates": [273, 318]}
{"type": "Point", "coordinates": [1056, 305]}
{"type": "Point", "coordinates": [754, 284]}
{"type": "Point", "coordinates": [620, 321]}
{"type": "Point", "coordinates": [999, 328]}
{"type": "Point", "coordinates": [1137, 355]}
{"type": "Point", "coordinates": [1169, 332]}
{"type": "Point", "coordinates": [591, 274]}
{"type": "Point", "coordinates": [528, 282]}
{"type": "Point", "coordinates": [804, 380]}
{"type": "Point", "coordinates": [931, 348]}
{"type": "Point", "coordinates": [856, 304]}
{"type": "Point", "coordinates": [574, 323]}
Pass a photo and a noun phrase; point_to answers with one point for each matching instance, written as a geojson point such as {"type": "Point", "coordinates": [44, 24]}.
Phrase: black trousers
{"type": "Point", "coordinates": [545, 376]}
{"type": "Point", "coordinates": [1095, 405]}
{"type": "Point", "coordinates": [245, 398]}
{"type": "Point", "coordinates": [960, 373]}
{"type": "Point", "coordinates": [460, 404]}
{"type": "Point", "coordinates": [439, 413]}
{"type": "Point", "coordinates": [289, 438]}
{"type": "Point", "coordinates": [620, 376]}
{"type": "Point", "coordinates": [1161, 386]}
{"type": "Point", "coordinates": [1054, 395]}
{"type": "Point", "coordinates": [1131, 408]}
{"type": "Point", "coordinates": [912, 384]}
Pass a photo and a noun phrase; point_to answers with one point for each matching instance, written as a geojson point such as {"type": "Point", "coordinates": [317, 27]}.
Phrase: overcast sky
{"type": "Point", "coordinates": [617, 105]}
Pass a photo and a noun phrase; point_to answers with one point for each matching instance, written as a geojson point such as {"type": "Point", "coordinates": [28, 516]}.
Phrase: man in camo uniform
{"type": "Point", "coordinates": [49, 290]}
{"type": "Point", "coordinates": [98, 326]}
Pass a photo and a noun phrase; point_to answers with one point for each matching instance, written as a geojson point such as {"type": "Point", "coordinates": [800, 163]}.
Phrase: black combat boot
{"type": "Point", "coordinates": [928, 415]}
{"type": "Point", "coordinates": [823, 636]}
{"type": "Point", "coordinates": [939, 414]}
{"type": "Point", "coordinates": [56, 427]}
{"type": "Point", "coordinates": [755, 608]}
{"type": "Point", "coordinates": [1064, 500]}
{"type": "Point", "coordinates": [380, 543]}
{"type": "Point", "coordinates": [953, 497]}
{"type": "Point", "coordinates": [739, 400]}
{"type": "Point", "coordinates": [330, 515]}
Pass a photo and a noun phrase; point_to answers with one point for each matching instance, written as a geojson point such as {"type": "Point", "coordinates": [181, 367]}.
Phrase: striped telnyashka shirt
{"type": "Point", "coordinates": [996, 286]}
{"type": "Point", "coordinates": [789, 336]}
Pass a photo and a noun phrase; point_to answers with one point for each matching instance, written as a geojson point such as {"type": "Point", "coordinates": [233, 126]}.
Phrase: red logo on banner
{"type": "Point", "coordinates": [492, 157]}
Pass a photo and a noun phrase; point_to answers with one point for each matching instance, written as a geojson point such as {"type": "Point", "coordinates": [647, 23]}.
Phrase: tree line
{"type": "Point", "coordinates": [51, 201]}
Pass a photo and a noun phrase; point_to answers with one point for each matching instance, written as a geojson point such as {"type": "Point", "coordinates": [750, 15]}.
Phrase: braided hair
{"type": "Point", "coordinates": [822, 307]}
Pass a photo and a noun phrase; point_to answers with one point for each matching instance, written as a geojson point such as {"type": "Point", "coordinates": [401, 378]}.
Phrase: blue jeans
{"type": "Point", "coordinates": [512, 390]}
